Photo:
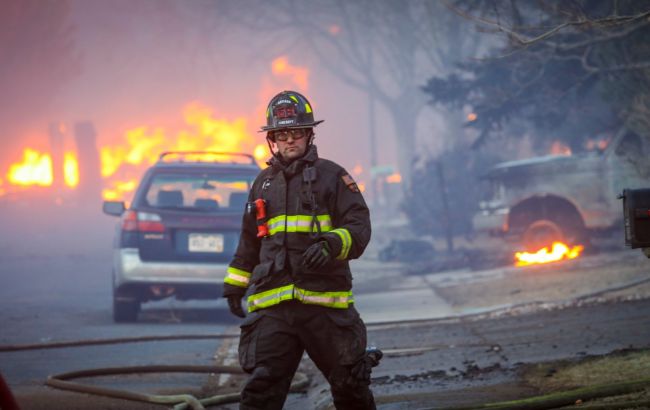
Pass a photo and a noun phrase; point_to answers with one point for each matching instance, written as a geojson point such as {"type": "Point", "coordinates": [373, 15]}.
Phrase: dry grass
{"type": "Point", "coordinates": [614, 368]}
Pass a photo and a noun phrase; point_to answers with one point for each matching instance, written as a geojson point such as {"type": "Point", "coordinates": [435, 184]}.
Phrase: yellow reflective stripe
{"type": "Point", "coordinates": [298, 223]}
{"type": "Point", "coordinates": [293, 97]}
{"type": "Point", "coordinates": [276, 224]}
{"type": "Point", "coordinates": [237, 277]}
{"type": "Point", "coordinates": [336, 300]}
{"type": "Point", "coordinates": [346, 242]}
{"type": "Point", "coordinates": [339, 300]}
{"type": "Point", "coordinates": [269, 298]}
{"type": "Point", "coordinates": [307, 108]}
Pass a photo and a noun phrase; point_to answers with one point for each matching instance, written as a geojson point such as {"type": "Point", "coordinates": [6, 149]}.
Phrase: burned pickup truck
{"type": "Point", "coordinates": [570, 198]}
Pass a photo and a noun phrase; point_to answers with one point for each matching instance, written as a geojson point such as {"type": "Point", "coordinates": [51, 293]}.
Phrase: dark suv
{"type": "Point", "coordinates": [181, 230]}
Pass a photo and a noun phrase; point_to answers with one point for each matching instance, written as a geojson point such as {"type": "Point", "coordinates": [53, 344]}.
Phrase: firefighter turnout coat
{"type": "Point", "coordinates": [311, 199]}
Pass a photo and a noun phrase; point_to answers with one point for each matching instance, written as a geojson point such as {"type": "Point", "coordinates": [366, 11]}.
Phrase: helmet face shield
{"type": "Point", "coordinates": [289, 109]}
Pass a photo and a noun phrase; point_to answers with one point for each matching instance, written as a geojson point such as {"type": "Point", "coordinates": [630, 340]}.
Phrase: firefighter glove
{"type": "Point", "coordinates": [234, 304]}
{"type": "Point", "coordinates": [363, 368]}
{"type": "Point", "coordinates": [317, 255]}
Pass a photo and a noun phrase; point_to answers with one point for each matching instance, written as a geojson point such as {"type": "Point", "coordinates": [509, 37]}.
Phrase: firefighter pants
{"type": "Point", "coordinates": [273, 341]}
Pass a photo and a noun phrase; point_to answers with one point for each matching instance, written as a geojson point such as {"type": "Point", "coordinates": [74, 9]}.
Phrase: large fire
{"type": "Point", "coordinates": [122, 163]}
{"type": "Point", "coordinates": [35, 169]}
{"type": "Point", "coordinates": [559, 251]}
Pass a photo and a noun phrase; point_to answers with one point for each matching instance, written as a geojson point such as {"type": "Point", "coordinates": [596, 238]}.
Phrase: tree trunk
{"type": "Point", "coordinates": [404, 115]}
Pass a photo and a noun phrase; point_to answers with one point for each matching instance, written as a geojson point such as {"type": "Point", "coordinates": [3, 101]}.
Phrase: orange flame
{"type": "Point", "coordinates": [559, 148]}
{"type": "Point", "coordinates": [123, 163]}
{"type": "Point", "coordinates": [395, 178]}
{"type": "Point", "coordinates": [119, 189]}
{"type": "Point", "coordinates": [599, 144]}
{"type": "Point", "coordinates": [558, 252]}
{"type": "Point", "coordinates": [70, 169]}
{"type": "Point", "coordinates": [261, 153]}
{"type": "Point", "coordinates": [299, 75]}
{"type": "Point", "coordinates": [36, 169]}
{"type": "Point", "coordinates": [143, 146]}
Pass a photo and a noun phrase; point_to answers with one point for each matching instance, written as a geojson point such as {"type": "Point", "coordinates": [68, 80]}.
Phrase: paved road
{"type": "Point", "coordinates": [62, 292]}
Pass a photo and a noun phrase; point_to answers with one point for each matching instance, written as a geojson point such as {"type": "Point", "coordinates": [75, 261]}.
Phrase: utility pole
{"type": "Point", "coordinates": [374, 182]}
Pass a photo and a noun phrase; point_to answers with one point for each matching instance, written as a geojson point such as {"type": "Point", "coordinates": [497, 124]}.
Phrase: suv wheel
{"type": "Point", "coordinates": [125, 310]}
{"type": "Point", "coordinates": [125, 306]}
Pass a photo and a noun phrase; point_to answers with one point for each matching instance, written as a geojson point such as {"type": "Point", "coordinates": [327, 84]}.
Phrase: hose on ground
{"type": "Point", "coordinates": [184, 400]}
{"type": "Point", "coordinates": [181, 401]}
{"type": "Point", "coordinates": [110, 341]}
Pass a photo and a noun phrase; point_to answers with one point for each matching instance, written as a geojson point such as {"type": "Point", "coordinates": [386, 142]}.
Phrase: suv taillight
{"type": "Point", "coordinates": [142, 221]}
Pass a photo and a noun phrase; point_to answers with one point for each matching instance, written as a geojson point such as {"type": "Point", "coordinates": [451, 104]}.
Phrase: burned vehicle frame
{"type": "Point", "coordinates": [568, 198]}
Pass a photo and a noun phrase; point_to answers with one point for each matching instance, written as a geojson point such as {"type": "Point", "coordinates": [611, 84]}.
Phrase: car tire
{"type": "Point", "coordinates": [125, 311]}
{"type": "Point", "coordinates": [125, 305]}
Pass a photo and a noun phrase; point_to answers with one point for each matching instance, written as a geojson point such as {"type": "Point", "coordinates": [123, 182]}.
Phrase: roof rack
{"type": "Point", "coordinates": [183, 154]}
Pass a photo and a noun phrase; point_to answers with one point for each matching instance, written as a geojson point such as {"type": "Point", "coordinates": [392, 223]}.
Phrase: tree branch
{"type": "Point", "coordinates": [524, 41]}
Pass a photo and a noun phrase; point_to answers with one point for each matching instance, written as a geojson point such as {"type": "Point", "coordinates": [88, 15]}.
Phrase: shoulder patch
{"type": "Point", "coordinates": [349, 182]}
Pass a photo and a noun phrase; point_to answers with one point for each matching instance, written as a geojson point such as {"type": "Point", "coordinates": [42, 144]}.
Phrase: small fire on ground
{"type": "Point", "coordinates": [558, 251]}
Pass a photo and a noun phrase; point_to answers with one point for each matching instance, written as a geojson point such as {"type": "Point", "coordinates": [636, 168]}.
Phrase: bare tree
{"type": "Point", "coordinates": [582, 65]}
{"type": "Point", "coordinates": [385, 48]}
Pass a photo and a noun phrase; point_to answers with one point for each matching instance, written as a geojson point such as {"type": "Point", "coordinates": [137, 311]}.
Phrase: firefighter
{"type": "Point", "coordinates": [304, 220]}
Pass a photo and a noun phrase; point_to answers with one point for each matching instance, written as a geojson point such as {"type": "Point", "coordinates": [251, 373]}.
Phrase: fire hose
{"type": "Point", "coordinates": [183, 401]}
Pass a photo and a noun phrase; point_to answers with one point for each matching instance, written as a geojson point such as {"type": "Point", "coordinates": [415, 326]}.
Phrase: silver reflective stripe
{"type": "Point", "coordinates": [237, 277]}
{"type": "Point", "coordinates": [338, 300]}
{"type": "Point", "coordinates": [269, 298]}
{"type": "Point", "coordinates": [346, 242]}
{"type": "Point", "coordinates": [276, 224]}
{"type": "Point", "coordinates": [298, 223]}
{"type": "Point", "coordinates": [330, 299]}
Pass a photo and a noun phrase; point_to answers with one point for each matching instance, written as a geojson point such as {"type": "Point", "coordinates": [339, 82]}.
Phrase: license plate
{"type": "Point", "coordinates": [199, 242]}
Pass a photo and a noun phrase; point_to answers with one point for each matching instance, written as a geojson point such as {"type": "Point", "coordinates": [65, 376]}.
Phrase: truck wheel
{"type": "Point", "coordinates": [540, 234]}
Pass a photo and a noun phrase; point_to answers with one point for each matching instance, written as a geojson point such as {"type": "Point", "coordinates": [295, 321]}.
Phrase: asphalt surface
{"type": "Point", "coordinates": [473, 330]}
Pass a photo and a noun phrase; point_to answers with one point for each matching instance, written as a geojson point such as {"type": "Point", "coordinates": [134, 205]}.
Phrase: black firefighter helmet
{"type": "Point", "coordinates": [289, 109]}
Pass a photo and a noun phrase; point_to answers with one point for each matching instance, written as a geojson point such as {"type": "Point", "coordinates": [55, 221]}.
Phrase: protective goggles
{"type": "Point", "coordinates": [294, 133]}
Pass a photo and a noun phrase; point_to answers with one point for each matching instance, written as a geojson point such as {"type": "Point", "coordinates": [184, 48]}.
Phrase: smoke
{"type": "Point", "coordinates": [125, 66]}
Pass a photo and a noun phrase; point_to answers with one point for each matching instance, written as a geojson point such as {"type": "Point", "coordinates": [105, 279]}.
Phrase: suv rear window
{"type": "Point", "coordinates": [199, 192]}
